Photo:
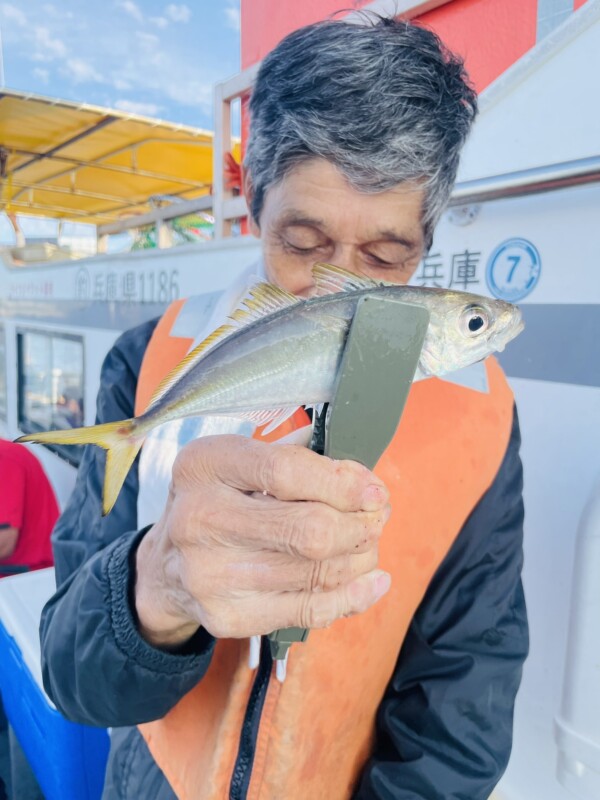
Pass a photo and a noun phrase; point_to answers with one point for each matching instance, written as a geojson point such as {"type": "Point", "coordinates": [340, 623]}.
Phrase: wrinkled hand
{"type": "Point", "coordinates": [256, 537]}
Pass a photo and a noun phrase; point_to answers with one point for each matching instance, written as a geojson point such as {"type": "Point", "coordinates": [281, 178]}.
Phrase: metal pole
{"type": "Point", "coordinates": [527, 181]}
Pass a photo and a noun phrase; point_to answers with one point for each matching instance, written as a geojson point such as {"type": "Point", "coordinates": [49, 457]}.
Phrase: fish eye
{"type": "Point", "coordinates": [474, 321]}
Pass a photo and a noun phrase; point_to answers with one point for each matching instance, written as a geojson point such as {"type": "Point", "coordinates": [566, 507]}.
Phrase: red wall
{"type": "Point", "coordinates": [266, 22]}
{"type": "Point", "coordinates": [489, 34]}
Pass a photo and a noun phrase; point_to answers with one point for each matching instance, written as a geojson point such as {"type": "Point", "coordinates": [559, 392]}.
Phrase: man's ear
{"type": "Point", "coordinates": [249, 194]}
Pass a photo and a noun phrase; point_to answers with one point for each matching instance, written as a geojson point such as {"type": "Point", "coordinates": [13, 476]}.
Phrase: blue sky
{"type": "Point", "coordinates": [145, 56]}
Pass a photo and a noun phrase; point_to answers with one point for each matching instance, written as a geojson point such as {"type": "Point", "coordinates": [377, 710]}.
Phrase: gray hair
{"type": "Point", "coordinates": [385, 102]}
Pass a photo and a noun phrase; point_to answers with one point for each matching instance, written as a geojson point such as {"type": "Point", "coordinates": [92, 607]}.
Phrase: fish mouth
{"type": "Point", "coordinates": [517, 326]}
{"type": "Point", "coordinates": [512, 332]}
{"type": "Point", "coordinates": [520, 327]}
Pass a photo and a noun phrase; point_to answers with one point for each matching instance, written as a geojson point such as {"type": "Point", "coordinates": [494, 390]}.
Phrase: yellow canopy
{"type": "Point", "coordinates": [90, 164]}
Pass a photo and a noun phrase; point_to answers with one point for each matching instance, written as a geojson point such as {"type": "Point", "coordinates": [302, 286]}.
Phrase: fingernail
{"type": "Point", "coordinates": [374, 495]}
{"type": "Point", "coordinates": [382, 583]}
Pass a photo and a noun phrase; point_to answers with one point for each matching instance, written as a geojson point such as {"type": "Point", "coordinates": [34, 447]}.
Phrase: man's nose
{"type": "Point", "coordinates": [347, 257]}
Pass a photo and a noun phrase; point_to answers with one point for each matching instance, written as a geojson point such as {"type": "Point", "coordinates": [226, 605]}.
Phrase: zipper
{"type": "Point", "coordinates": [242, 770]}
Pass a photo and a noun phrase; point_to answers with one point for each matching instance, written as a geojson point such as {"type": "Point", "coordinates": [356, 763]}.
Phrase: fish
{"type": "Point", "coordinates": [277, 352]}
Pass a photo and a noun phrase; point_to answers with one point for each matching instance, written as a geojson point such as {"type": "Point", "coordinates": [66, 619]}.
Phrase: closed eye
{"type": "Point", "coordinates": [379, 262]}
{"type": "Point", "coordinates": [294, 248]}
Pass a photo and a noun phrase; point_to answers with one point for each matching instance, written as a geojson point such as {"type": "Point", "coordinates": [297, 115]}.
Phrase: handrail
{"type": "Point", "coordinates": [159, 216]}
{"type": "Point", "coordinates": [527, 181]}
{"type": "Point", "coordinates": [162, 214]}
{"type": "Point", "coordinates": [225, 206]}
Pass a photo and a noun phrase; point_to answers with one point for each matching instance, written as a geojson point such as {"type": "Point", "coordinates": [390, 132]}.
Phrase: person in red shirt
{"type": "Point", "coordinates": [28, 511]}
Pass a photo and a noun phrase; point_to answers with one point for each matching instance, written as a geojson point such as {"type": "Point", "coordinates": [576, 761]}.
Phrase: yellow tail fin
{"type": "Point", "coordinates": [122, 441]}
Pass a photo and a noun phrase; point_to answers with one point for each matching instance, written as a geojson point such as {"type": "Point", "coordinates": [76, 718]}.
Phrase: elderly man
{"type": "Point", "coordinates": [406, 686]}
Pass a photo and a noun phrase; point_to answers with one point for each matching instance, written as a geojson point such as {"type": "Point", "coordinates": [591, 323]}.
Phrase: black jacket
{"type": "Point", "coordinates": [445, 723]}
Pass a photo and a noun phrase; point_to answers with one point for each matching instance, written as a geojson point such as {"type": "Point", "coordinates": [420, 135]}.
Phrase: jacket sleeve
{"type": "Point", "coordinates": [96, 667]}
{"type": "Point", "coordinates": [444, 727]}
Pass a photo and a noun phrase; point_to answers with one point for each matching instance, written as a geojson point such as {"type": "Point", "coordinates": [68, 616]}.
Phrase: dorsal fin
{"type": "Point", "coordinates": [259, 301]}
{"type": "Point", "coordinates": [329, 279]}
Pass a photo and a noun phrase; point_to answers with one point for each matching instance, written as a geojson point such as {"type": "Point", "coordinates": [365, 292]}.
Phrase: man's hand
{"type": "Point", "coordinates": [257, 537]}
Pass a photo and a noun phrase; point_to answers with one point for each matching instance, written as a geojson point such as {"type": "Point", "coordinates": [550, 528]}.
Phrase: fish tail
{"type": "Point", "coordinates": [122, 441]}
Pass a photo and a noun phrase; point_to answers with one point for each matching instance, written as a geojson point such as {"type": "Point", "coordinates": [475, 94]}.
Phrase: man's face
{"type": "Point", "coordinates": [313, 215]}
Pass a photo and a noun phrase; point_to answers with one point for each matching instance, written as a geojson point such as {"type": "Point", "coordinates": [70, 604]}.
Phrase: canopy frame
{"type": "Point", "coordinates": [162, 158]}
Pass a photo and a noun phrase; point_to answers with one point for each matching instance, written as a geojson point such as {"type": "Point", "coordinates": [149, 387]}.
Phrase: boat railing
{"type": "Point", "coordinates": [534, 180]}
{"type": "Point", "coordinates": [158, 217]}
{"type": "Point", "coordinates": [224, 206]}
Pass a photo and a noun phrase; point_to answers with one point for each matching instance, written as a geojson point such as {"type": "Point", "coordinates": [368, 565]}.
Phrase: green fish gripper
{"type": "Point", "coordinates": [377, 369]}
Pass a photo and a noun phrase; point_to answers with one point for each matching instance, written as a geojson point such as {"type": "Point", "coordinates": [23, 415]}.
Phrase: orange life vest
{"type": "Point", "coordinates": [316, 729]}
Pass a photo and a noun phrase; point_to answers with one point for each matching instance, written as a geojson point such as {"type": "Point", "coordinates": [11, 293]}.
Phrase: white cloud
{"type": "Point", "coordinates": [13, 14]}
{"type": "Point", "coordinates": [149, 57]}
{"type": "Point", "coordinates": [233, 18]}
{"type": "Point", "coordinates": [177, 13]}
{"type": "Point", "coordinates": [41, 74]}
{"type": "Point", "coordinates": [188, 92]}
{"type": "Point", "coordinates": [79, 71]}
{"type": "Point", "coordinates": [160, 22]}
{"type": "Point", "coordinates": [138, 66]}
{"type": "Point", "coordinates": [121, 85]}
{"type": "Point", "coordinates": [131, 8]}
{"type": "Point", "coordinates": [147, 40]}
{"type": "Point", "coordinates": [52, 11]}
{"type": "Point", "coordinates": [133, 107]}
{"type": "Point", "coordinates": [168, 77]}
{"type": "Point", "coordinates": [48, 47]}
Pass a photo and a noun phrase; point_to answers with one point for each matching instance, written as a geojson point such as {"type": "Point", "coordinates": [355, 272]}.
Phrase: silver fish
{"type": "Point", "coordinates": [278, 352]}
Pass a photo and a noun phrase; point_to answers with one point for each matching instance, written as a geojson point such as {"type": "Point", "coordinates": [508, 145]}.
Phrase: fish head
{"type": "Point", "coordinates": [466, 328]}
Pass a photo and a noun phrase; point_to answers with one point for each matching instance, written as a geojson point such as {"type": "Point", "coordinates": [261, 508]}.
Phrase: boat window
{"type": "Point", "coordinates": [2, 374]}
{"type": "Point", "coordinates": [50, 390]}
